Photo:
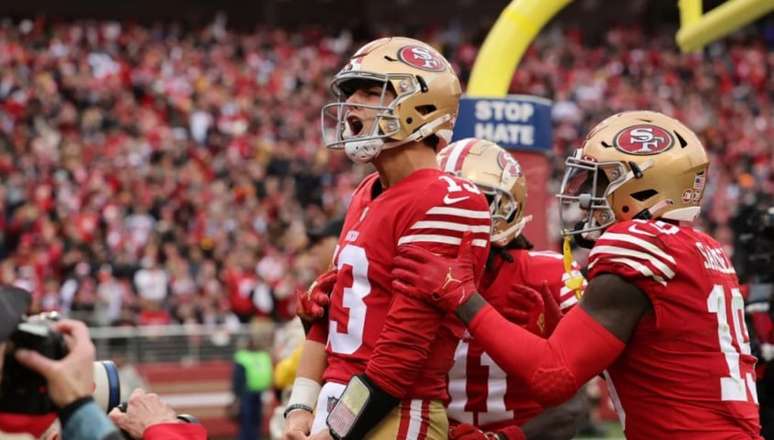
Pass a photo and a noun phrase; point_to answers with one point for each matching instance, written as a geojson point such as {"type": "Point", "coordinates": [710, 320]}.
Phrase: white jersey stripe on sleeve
{"type": "Point", "coordinates": [433, 238]}
{"type": "Point", "coordinates": [624, 252]}
{"type": "Point", "coordinates": [650, 247]}
{"type": "Point", "coordinates": [641, 268]}
{"type": "Point", "coordinates": [478, 242]}
{"type": "Point", "coordinates": [450, 226]}
{"type": "Point", "coordinates": [550, 254]}
{"type": "Point", "coordinates": [569, 302]}
{"type": "Point", "coordinates": [459, 212]}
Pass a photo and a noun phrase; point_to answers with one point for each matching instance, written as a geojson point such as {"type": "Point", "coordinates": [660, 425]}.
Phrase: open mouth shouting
{"type": "Point", "coordinates": [354, 125]}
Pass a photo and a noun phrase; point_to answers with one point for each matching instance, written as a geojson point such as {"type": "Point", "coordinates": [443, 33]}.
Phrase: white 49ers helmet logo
{"type": "Point", "coordinates": [422, 58]}
{"type": "Point", "coordinates": [643, 139]}
{"type": "Point", "coordinates": [509, 165]}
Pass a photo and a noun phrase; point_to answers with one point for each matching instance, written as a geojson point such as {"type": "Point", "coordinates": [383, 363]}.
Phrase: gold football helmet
{"type": "Point", "coordinates": [426, 91]}
{"type": "Point", "coordinates": [636, 164]}
{"type": "Point", "coordinates": [498, 175]}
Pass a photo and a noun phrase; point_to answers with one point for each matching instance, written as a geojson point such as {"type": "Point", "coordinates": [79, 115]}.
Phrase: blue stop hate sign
{"type": "Point", "coordinates": [517, 122]}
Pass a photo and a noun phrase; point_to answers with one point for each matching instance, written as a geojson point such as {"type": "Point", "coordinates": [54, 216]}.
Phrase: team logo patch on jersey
{"type": "Point", "coordinates": [332, 401]}
{"type": "Point", "coordinates": [422, 58]}
{"type": "Point", "coordinates": [643, 140]}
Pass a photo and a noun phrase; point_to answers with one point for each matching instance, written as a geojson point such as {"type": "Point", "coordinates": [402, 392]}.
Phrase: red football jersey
{"type": "Point", "coordinates": [415, 342]}
{"type": "Point", "coordinates": [687, 371]}
{"type": "Point", "coordinates": [481, 393]}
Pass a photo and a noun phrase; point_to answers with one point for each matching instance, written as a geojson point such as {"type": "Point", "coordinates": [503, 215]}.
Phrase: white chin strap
{"type": "Point", "coordinates": [512, 232]}
{"type": "Point", "coordinates": [688, 214]}
{"type": "Point", "coordinates": [367, 150]}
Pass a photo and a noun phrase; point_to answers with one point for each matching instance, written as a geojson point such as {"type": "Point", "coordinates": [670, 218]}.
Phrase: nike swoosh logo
{"type": "Point", "coordinates": [451, 200]}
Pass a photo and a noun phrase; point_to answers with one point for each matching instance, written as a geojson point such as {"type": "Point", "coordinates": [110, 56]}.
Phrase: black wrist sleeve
{"type": "Point", "coordinates": [361, 407]}
{"type": "Point", "coordinates": [67, 411]}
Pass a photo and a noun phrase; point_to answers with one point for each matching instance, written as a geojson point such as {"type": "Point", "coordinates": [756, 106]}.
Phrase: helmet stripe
{"type": "Point", "coordinates": [458, 155]}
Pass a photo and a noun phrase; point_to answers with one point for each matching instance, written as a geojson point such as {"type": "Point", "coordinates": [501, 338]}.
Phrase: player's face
{"type": "Point", "coordinates": [587, 186]}
{"type": "Point", "coordinates": [584, 206]}
{"type": "Point", "coordinates": [360, 115]}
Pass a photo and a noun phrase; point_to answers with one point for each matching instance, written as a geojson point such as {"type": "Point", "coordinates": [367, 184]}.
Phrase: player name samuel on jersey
{"type": "Point", "coordinates": [715, 259]}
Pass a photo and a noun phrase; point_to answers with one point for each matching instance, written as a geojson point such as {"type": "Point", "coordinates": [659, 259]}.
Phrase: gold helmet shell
{"type": "Point", "coordinates": [499, 176]}
{"type": "Point", "coordinates": [427, 94]}
{"type": "Point", "coordinates": [636, 164]}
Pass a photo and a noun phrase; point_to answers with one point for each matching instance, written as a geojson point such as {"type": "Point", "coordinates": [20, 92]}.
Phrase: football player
{"type": "Point", "coordinates": [662, 315]}
{"type": "Point", "coordinates": [481, 393]}
{"type": "Point", "coordinates": [388, 355]}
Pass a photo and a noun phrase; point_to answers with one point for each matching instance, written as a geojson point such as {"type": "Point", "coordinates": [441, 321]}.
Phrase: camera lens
{"type": "Point", "coordinates": [107, 389]}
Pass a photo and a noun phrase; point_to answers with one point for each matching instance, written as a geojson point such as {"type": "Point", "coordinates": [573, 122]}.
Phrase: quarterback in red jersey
{"type": "Point", "coordinates": [669, 336]}
{"type": "Point", "coordinates": [388, 355]}
{"type": "Point", "coordinates": [481, 393]}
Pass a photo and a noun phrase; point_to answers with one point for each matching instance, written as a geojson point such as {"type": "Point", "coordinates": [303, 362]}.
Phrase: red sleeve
{"type": "Point", "coordinates": [634, 251]}
{"type": "Point", "coordinates": [411, 326]}
{"type": "Point", "coordinates": [553, 368]}
{"type": "Point", "coordinates": [175, 431]}
{"type": "Point", "coordinates": [318, 332]}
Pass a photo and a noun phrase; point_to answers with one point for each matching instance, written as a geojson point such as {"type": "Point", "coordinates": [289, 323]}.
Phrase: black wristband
{"type": "Point", "coordinates": [307, 325]}
{"type": "Point", "coordinates": [361, 407]}
{"type": "Point", "coordinates": [68, 410]}
{"type": "Point", "coordinates": [187, 418]}
{"type": "Point", "coordinates": [470, 308]}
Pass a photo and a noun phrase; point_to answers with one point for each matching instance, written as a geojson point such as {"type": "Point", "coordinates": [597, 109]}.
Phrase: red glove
{"type": "Point", "coordinates": [443, 282]}
{"type": "Point", "coordinates": [525, 308]}
{"type": "Point", "coordinates": [551, 310]}
{"type": "Point", "coordinates": [511, 433]}
{"type": "Point", "coordinates": [311, 303]}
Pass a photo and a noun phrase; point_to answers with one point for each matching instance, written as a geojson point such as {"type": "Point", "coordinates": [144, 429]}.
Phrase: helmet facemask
{"type": "Point", "coordinates": [503, 208]}
{"type": "Point", "coordinates": [363, 140]}
{"type": "Point", "coordinates": [584, 207]}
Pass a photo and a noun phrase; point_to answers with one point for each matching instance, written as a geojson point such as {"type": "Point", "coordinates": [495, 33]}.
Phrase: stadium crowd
{"type": "Point", "coordinates": [156, 174]}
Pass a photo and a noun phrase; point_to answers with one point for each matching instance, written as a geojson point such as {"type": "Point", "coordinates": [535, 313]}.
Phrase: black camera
{"type": "Point", "coordinates": [24, 391]}
{"type": "Point", "coordinates": [754, 245]}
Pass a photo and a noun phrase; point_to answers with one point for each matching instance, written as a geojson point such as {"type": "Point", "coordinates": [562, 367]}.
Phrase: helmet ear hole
{"type": "Point", "coordinates": [643, 195]}
{"type": "Point", "coordinates": [683, 142]}
{"type": "Point", "coordinates": [425, 109]}
{"type": "Point", "coordinates": [625, 209]}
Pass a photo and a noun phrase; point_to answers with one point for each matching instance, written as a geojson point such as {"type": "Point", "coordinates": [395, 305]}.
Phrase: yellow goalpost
{"type": "Point", "coordinates": [521, 21]}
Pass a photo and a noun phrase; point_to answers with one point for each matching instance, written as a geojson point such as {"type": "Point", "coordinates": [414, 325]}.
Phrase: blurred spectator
{"type": "Point", "coordinates": [252, 376]}
{"type": "Point", "coordinates": [153, 174]}
{"type": "Point", "coordinates": [151, 281]}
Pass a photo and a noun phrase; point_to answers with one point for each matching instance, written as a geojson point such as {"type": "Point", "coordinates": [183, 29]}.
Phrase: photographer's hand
{"type": "Point", "coordinates": [143, 410]}
{"type": "Point", "coordinates": [70, 378]}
